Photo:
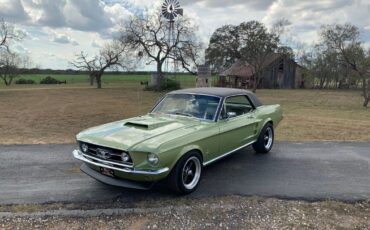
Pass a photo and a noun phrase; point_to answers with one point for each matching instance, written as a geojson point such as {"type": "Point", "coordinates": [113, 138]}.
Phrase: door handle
{"type": "Point", "coordinates": [250, 117]}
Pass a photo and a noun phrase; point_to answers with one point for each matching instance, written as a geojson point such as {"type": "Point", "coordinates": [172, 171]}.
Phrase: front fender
{"type": "Point", "coordinates": [171, 157]}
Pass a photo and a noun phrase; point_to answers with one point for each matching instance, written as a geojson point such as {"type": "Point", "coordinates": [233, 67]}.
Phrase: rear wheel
{"type": "Point", "coordinates": [185, 176]}
{"type": "Point", "coordinates": [265, 140]}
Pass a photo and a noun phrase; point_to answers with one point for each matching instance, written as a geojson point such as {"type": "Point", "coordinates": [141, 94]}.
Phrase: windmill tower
{"type": "Point", "coordinates": [171, 9]}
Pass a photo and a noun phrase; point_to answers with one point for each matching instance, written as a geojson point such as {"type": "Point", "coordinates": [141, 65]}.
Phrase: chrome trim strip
{"type": "Point", "coordinates": [106, 162]}
{"type": "Point", "coordinates": [79, 156]}
{"type": "Point", "coordinates": [226, 154]}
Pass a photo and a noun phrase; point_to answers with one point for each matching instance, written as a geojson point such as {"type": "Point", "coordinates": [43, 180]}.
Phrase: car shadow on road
{"type": "Point", "coordinates": [219, 178]}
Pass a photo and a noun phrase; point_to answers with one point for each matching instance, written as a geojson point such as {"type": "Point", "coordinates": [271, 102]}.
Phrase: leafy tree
{"type": "Point", "coordinates": [224, 48]}
{"type": "Point", "coordinates": [249, 41]}
{"type": "Point", "coordinates": [148, 37]}
{"type": "Point", "coordinates": [344, 40]}
{"type": "Point", "coordinates": [256, 46]}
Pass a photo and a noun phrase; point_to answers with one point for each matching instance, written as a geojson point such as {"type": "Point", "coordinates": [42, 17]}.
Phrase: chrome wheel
{"type": "Point", "coordinates": [191, 172]}
{"type": "Point", "coordinates": [268, 138]}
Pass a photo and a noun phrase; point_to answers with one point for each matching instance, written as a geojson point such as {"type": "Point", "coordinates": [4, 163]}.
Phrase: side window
{"type": "Point", "coordinates": [239, 105]}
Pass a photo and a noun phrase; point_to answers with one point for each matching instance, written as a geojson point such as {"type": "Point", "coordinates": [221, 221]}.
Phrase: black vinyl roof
{"type": "Point", "coordinates": [220, 92]}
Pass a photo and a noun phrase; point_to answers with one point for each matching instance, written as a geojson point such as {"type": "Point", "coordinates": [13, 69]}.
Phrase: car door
{"type": "Point", "coordinates": [237, 123]}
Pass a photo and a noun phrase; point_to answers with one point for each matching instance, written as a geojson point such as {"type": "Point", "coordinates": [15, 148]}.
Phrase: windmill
{"type": "Point", "coordinates": [171, 10]}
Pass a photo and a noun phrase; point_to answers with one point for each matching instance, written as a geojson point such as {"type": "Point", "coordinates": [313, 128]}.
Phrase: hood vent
{"type": "Point", "coordinates": [147, 124]}
{"type": "Point", "coordinates": [137, 125]}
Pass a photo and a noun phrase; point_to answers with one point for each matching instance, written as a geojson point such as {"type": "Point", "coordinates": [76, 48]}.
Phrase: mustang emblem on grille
{"type": "Point", "coordinates": [105, 154]}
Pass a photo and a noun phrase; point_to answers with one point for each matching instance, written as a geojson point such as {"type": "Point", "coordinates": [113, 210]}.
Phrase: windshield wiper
{"type": "Point", "coordinates": [184, 114]}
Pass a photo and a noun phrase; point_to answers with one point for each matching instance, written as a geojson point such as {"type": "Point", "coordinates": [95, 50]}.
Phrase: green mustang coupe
{"type": "Point", "coordinates": [185, 131]}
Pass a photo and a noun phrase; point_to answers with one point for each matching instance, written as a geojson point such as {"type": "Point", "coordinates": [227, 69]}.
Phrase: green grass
{"type": "Point", "coordinates": [106, 79]}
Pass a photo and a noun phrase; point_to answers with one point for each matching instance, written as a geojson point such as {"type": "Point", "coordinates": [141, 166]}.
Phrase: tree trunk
{"type": "Point", "coordinates": [11, 80]}
{"type": "Point", "coordinates": [160, 75]}
{"type": "Point", "coordinates": [255, 82]}
{"type": "Point", "coordinates": [98, 81]}
{"type": "Point", "coordinates": [91, 79]}
{"type": "Point", "coordinates": [6, 81]}
{"type": "Point", "coordinates": [366, 102]}
{"type": "Point", "coordinates": [366, 91]}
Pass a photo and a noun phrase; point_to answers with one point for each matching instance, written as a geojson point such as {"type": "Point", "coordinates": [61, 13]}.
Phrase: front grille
{"type": "Point", "coordinates": [106, 154]}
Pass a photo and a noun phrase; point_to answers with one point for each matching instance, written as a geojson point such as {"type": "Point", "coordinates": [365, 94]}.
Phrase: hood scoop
{"type": "Point", "coordinates": [137, 125]}
{"type": "Point", "coordinates": [145, 124]}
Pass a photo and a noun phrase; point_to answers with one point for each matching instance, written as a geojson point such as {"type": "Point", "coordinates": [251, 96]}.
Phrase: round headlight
{"type": "Point", "coordinates": [84, 147]}
{"type": "Point", "coordinates": [153, 159]}
{"type": "Point", "coordinates": [125, 157]}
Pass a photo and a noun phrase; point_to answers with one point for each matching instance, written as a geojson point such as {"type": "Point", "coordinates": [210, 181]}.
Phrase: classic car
{"type": "Point", "coordinates": [185, 131]}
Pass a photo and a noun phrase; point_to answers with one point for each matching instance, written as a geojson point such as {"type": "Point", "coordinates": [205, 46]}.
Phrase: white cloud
{"type": "Point", "coordinates": [84, 15]}
{"type": "Point", "coordinates": [307, 16]}
{"type": "Point", "coordinates": [64, 39]}
{"type": "Point", "coordinates": [96, 44]}
{"type": "Point", "coordinates": [117, 13]}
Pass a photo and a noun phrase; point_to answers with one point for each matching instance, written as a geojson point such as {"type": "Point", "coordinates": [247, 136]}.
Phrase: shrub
{"type": "Point", "coordinates": [167, 84]}
{"type": "Point", "coordinates": [24, 81]}
{"type": "Point", "coordinates": [49, 80]}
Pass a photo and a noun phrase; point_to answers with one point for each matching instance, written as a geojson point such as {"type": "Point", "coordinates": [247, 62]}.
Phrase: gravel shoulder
{"type": "Point", "coordinates": [231, 212]}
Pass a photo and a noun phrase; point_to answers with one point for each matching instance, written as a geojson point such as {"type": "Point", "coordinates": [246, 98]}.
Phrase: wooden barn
{"type": "Point", "coordinates": [279, 72]}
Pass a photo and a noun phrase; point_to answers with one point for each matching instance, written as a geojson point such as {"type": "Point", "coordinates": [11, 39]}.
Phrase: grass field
{"type": "Point", "coordinates": [43, 114]}
{"type": "Point", "coordinates": [106, 79]}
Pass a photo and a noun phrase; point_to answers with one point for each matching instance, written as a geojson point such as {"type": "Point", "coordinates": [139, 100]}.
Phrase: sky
{"type": "Point", "coordinates": [57, 30]}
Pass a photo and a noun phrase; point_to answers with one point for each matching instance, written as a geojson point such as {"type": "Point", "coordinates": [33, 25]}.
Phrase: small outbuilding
{"type": "Point", "coordinates": [204, 76]}
{"type": "Point", "coordinates": [279, 72]}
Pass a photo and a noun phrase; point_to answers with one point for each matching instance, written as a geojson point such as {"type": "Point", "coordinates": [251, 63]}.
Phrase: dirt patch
{"type": "Point", "coordinates": [56, 115]}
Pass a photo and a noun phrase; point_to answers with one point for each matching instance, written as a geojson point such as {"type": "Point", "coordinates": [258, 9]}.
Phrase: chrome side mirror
{"type": "Point", "coordinates": [231, 115]}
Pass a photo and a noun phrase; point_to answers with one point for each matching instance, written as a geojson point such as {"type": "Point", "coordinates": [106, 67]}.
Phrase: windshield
{"type": "Point", "coordinates": [198, 106]}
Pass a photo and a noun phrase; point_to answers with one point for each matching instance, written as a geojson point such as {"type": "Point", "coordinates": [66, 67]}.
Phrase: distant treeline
{"type": "Point", "coordinates": [77, 72]}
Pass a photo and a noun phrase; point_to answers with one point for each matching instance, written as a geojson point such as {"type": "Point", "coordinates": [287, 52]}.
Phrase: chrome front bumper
{"type": "Point", "coordinates": [105, 164]}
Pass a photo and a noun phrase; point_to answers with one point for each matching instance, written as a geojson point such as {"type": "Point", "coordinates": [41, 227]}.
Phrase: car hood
{"type": "Point", "coordinates": [126, 134]}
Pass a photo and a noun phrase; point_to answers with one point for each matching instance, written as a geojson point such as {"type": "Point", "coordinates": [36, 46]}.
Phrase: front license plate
{"type": "Point", "coordinates": [107, 172]}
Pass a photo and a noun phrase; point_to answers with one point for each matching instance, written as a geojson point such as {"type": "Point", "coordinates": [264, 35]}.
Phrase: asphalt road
{"type": "Point", "coordinates": [309, 171]}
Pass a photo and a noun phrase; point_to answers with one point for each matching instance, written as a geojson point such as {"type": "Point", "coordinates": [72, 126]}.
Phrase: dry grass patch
{"type": "Point", "coordinates": [311, 115]}
{"type": "Point", "coordinates": [55, 114]}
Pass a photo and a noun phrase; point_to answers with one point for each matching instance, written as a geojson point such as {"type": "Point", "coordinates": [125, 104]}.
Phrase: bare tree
{"type": "Point", "coordinates": [280, 27]}
{"type": "Point", "coordinates": [112, 56]}
{"type": "Point", "coordinates": [8, 34]}
{"type": "Point", "coordinates": [11, 65]}
{"type": "Point", "coordinates": [10, 62]}
{"type": "Point", "coordinates": [82, 62]}
{"type": "Point", "coordinates": [345, 41]}
{"type": "Point", "coordinates": [148, 37]}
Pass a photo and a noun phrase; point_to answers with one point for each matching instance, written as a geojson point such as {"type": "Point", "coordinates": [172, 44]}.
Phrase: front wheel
{"type": "Point", "coordinates": [186, 174]}
{"type": "Point", "coordinates": [265, 139]}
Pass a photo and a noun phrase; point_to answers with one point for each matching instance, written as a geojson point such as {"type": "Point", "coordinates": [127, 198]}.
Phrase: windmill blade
{"type": "Point", "coordinates": [180, 12]}
{"type": "Point", "coordinates": [174, 10]}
